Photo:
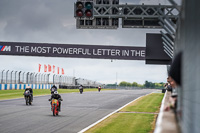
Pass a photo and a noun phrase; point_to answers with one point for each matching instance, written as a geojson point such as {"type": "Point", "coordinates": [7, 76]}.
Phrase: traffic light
{"type": "Point", "coordinates": [86, 11]}
{"type": "Point", "coordinates": [83, 9]}
{"type": "Point", "coordinates": [79, 9]}
{"type": "Point", "coordinates": [89, 10]}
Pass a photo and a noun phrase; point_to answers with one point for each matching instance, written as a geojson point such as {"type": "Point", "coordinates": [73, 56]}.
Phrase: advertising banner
{"type": "Point", "coordinates": [72, 50]}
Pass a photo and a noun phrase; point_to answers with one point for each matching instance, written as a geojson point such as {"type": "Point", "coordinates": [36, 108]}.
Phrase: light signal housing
{"type": "Point", "coordinates": [84, 9]}
{"type": "Point", "coordinates": [79, 9]}
{"type": "Point", "coordinates": [79, 5]}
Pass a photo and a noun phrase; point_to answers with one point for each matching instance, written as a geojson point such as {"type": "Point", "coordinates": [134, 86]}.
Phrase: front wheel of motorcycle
{"type": "Point", "coordinates": [26, 100]}
{"type": "Point", "coordinates": [30, 100]}
{"type": "Point", "coordinates": [53, 111]}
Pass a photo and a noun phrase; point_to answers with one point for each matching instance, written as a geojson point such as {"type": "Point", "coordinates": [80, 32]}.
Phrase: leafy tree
{"type": "Point", "coordinates": [141, 86]}
{"type": "Point", "coordinates": [147, 84]}
{"type": "Point", "coordinates": [135, 84]}
{"type": "Point", "coordinates": [124, 83]}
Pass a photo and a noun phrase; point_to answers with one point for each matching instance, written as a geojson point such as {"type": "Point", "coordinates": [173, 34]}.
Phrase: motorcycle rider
{"type": "Point", "coordinates": [28, 88]}
{"type": "Point", "coordinates": [55, 95]}
{"type": "Point", "coordinates": [81, 88]}
{"type": "Point", "coordinates": [99, 88]}
{"type": "Point", "coordinates": [53, 89]}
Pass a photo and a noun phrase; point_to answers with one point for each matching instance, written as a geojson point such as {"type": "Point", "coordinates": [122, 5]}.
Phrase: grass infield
{"type": "Point", "coordinates": [130, 120]}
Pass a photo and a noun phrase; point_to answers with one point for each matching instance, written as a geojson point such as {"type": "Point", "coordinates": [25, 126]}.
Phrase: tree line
{"type": "Point", "coordinates": [147, 84]}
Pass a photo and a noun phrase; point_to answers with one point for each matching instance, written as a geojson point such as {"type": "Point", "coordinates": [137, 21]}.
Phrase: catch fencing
{"type": "Point", "coordinates": [19, 77]}
{"type": "Point", "coordinates": [41, 80]}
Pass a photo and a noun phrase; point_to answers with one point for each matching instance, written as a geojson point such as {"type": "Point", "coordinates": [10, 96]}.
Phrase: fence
{"type": "Point", "coordinates": [24, 86]}
{"type": "Point", "coordinates": [19, 77]}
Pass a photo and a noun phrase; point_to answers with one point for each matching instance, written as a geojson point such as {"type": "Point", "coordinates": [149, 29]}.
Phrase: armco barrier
{"type": "Point", "coordinates": [23, 86]}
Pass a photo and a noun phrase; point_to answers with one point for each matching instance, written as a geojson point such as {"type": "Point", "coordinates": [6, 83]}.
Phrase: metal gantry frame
{"type": "Point", "coordinates": [166, 17]}
{"type": "Point", "coordinates": [106, 15]}
{"type": "Point", "coordinates": [170, 28]}
{"type": "Point", "coordinates": [133, 11]}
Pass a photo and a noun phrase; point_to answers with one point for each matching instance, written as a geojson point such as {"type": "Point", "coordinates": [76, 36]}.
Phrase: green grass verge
{"type": "Point", "coordinates": [12, 94]}
{"type": "Point", "coordinates": [149, 103]}
{"type": "Point", "coordinates": [132, 122]}
{"type": "Point", "coordinates": [125, 123]}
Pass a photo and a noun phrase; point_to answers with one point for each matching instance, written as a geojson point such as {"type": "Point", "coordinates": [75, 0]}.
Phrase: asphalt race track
{"type": "Point", "coordinates": [77, 111]}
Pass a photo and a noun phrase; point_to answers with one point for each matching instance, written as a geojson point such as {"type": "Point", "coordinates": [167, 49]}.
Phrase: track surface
{"type": "Point", "coordinates": [77, 111]}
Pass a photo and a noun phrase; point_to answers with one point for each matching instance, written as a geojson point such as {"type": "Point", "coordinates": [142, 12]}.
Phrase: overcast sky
{"type": "Point", "coordinates": [52, 21]}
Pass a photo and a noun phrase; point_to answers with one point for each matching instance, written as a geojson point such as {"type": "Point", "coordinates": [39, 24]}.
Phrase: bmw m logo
{"type": "Point", "coordinates": [5, 48]}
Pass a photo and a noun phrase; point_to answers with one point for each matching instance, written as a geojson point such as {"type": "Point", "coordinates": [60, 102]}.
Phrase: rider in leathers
{"type": "Point", "coordinates": [53, 89]}
{"type": "Point", "coordinates": [58, 97]}
{"type": "Point", "coordinates": [31, 92]}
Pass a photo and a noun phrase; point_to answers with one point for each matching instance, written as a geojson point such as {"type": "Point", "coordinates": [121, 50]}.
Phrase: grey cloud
{"type": "Point", "coordinates": [52, 21]}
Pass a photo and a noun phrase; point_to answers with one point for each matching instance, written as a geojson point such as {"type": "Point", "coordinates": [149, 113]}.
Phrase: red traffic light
{"type": "Point", "coordinates": [79, 13]}
{"type": "Point", "coordinates": [88, 13]}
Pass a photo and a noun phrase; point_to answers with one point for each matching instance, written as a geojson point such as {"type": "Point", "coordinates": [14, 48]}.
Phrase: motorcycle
{"type": "Point", "coordinates": [54, 106]}
{"type": "Point", "coordinates": [81, 90]}
{"type": "Point", "coordinates": [99, 89]}
{"type": "Point", "coordinates": [28, 97]}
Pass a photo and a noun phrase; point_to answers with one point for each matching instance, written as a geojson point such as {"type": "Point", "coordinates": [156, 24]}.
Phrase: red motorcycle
{"type": "Point", "coordinates": [55, 106]}
{"type": "Point", "coordinates": [99, 89]}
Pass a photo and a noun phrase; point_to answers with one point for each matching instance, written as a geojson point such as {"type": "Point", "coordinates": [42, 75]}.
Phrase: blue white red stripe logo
{"type": "Point", "coordinates": [5, 48]}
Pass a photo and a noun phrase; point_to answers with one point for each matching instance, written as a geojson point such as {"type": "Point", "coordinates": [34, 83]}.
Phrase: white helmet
{"type": "Point", "coordinates": [55, 92]}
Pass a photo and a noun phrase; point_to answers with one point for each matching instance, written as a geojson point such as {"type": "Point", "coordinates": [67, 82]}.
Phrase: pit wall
{"type": "Point", "coordinates": [23, 86]}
